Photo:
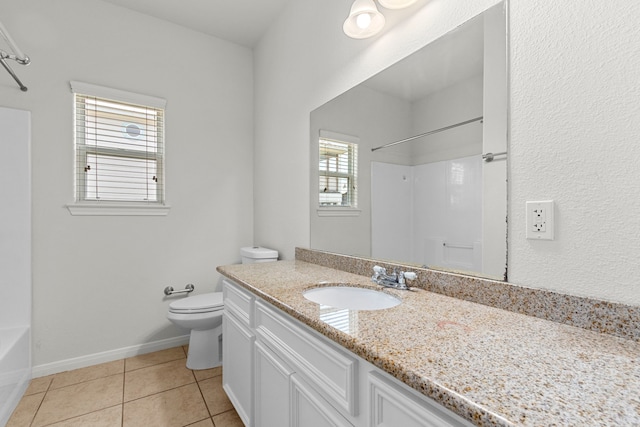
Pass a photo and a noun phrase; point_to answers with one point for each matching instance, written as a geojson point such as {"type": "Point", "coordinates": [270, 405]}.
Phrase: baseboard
{"type": "Point", "coordinates": [107, 356]}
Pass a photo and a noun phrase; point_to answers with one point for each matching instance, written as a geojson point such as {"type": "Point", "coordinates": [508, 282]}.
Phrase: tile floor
{"type": "Point", "coordinates": [154, 389]}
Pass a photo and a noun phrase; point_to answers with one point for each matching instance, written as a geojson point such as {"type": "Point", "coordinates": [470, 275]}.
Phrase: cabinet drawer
{"type": "Point", "coordinates": [238, 302]}
{"type": "Point", "coordinates": [393, 405]}
{"type": "Point", "coordinates": [324, 365]}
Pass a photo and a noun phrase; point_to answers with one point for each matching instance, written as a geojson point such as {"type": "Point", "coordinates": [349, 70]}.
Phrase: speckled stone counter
{"type": "Point", "coordinates": [491, 366]}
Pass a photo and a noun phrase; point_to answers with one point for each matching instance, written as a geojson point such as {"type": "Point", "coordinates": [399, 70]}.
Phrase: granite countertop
{"type": "Point", "coordinates": [491, 366]}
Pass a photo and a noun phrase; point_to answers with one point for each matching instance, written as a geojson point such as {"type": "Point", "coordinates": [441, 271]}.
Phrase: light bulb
{"type": "Point", "coordinates": [363, 20]}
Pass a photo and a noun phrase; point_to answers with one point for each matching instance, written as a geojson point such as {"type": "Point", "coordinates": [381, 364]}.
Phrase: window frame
{"type": "Point", "coordinates": [82, 206]}
{"type": "Point", "coordinates": [339, 210]}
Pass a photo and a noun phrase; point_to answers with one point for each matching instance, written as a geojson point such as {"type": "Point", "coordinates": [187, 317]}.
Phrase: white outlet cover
{"type": "Point", "coordinates": [540, 224]}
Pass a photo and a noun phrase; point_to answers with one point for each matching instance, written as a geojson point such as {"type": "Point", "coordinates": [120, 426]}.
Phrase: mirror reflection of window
{"type": "Point", "coordinates": [338, 173]}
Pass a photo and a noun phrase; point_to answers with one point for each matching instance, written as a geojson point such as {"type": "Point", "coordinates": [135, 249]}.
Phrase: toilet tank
{"type": "Point", "coordinates": [253, 254]}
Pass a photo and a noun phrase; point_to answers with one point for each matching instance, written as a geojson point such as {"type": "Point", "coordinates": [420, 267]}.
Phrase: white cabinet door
{"type": "Point", "coordinates": [309, 409]}
{"type": "Point", "coordinates": [237, 371]}
{"type": "Point", "coordinates": [272, 388]}
{"type": "Point", "coordinates": [393, 406]}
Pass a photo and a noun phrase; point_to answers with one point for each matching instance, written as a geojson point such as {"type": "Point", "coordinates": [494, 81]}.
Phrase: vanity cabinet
{"type": "Point", "coordinates": [279, 372]}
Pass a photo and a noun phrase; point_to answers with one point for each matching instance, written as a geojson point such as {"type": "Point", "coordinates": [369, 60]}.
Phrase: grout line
{"type": "Point", "coordinates": [159, 392]}
{"type": "Point", "coordinates": [206, 405]}
{"type": "Point", "coordinates": [35, 414]}
{"type": "Point", "coordinates": [37, 409]}
{"type": "Point", "coordinates": [77, 416]}
{"type": "Point", "coordinates": [124, 381]}
{"type": "Point", "coordinates": [83, 382]}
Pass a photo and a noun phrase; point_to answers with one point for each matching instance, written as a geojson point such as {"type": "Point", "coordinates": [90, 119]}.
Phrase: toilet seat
{"type": "Point", "coordinates": [203, 303]}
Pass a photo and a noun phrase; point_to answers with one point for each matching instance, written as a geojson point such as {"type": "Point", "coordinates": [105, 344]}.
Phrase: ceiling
{"type": "Point", "coordinates": [452, 58]}
{"type": "Point", "coordinates": [239, 21]}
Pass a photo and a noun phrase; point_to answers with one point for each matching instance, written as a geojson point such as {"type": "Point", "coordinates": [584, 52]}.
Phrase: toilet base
{"type": "Point", "coordinates": [205, 349]}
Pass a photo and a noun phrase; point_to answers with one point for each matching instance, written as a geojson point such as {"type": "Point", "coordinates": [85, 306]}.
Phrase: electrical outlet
{"type": "Point", "coordinates": [540, 220]}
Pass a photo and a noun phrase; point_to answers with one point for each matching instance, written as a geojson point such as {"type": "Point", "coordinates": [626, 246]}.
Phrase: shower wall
{"type": "Point", "coordinates": [429, 214]}
{"type": "Point", "coordinates": [15, 258]}
{"type": "Point", "coordinates": [15, 219]}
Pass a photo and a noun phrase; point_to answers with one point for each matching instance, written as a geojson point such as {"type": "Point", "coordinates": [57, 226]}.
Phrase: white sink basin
{"type": "Point", "coordinates": [351, 298]}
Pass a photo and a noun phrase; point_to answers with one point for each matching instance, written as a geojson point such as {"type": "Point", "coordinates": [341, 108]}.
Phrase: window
{"type": "Point", "coordinates": [119, 143]}
{"type": "Point", "coordinates": [337, 171]}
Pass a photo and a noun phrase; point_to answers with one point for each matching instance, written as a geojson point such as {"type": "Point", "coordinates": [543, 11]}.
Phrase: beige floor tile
{"type": "Point", "coordinates": [38, 385]}
{"type": "Point", "coordinates": [228, 419]}
{"type": "Point", "coordinates": [203, 374]}
{"type": "Point", "coordinates": [150, 359]}
{"type": "Point", "coordinates": [26, 410]}
{"type": "Point", "coordinates": [157, 378]}
{"type": "Point", "coordinates": [173, 408]}
{"type": "Point", "coordinates": [215, 397]}
{"type": "Point", "coordinates": [110, 417]}
{"type": "Point", "coordinates": [86, 374]}
{"type": "Point", "coordinates": [204, 423]}
{"type": "Point", "coordinates": [79, 399]}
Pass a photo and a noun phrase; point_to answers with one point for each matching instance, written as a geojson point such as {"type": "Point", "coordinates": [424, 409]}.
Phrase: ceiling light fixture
{"type": "Point", "coordinates": [396, 4]}
{"type": "Point", "coordinates": [364, 20]}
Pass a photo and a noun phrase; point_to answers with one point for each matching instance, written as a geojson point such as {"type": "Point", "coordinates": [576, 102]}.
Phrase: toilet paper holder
{"type": "Point", "coordinates": [169, 290]}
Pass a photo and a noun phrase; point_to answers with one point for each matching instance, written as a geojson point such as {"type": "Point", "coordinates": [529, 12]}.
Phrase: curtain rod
{"type": "Point", "coordinates": [428, 133]}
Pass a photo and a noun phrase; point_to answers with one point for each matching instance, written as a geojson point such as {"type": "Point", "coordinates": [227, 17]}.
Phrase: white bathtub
{"type": "Point", "coordinates": [15, 369]}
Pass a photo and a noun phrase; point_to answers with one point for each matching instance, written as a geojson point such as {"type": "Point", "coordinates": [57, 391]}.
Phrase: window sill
{"type": "Point", "coordinates": [117, 209]}
{"type": "Point", "coordinates": [338, 212]}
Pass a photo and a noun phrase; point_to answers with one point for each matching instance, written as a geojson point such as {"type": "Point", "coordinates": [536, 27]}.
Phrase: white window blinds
{"type": "Point", "coordinates": [337, 170]}
{"type": "Point", "coordinates": [119, 147]}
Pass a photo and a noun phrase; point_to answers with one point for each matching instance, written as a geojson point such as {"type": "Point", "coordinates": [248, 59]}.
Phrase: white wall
{"type": "Point", "coordinates": [392, 212]}
{"type": "Point", "coordinates": [98, 281]}
{"type": "Point", "coordinates": [573, 105]}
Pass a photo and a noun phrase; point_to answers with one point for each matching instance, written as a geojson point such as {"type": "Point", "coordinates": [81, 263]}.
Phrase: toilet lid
{"type": "Point", "coordinates": [198, 303]}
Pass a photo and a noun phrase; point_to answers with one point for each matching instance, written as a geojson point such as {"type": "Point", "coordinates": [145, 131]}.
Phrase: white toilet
{"type": "Point", "coordinates": [202, 314]}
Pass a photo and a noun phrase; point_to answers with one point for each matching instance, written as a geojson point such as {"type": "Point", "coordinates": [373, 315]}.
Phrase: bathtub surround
{"type": "Point", "coordinates": [15, 257]}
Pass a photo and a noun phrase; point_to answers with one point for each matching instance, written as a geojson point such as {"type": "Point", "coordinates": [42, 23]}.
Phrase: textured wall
{"type": "Point", "coordinates": [575, 69]}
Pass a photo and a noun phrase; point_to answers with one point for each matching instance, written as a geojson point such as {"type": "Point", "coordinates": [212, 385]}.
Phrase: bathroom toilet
{"type": "Point", "coordinates": [202, 314]}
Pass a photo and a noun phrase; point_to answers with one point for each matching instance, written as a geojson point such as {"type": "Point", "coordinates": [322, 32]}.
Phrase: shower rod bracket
{"type": "Point", "coordinates": [488, 157]}
{"type": "Point", "coordinates": [3, 61]}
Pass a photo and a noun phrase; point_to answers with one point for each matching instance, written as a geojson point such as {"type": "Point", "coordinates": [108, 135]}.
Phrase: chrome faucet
{"type": "Point", "coordinates": [396, 280]}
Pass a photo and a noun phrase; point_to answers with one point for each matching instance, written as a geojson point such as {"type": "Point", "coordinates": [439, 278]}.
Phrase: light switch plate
{"type": "Point", "coordinates": [540, 224]}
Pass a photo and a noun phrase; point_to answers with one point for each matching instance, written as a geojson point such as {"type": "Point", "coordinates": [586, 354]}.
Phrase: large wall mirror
{"type": "Point", "coordinates": [411, 165]}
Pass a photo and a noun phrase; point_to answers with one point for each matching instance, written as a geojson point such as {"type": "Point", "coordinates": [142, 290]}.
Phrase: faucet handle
{"type": "Point", "coordinates": [379, 270]}
{"type": "Point", "coordinates": [410, 275]}
{"type": "Point", "coordinates": [402, 275]}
